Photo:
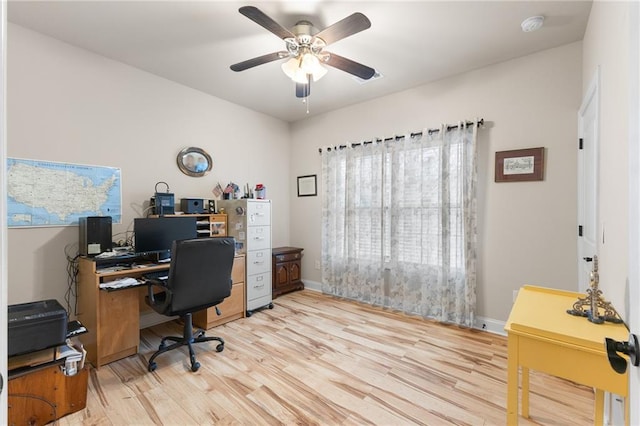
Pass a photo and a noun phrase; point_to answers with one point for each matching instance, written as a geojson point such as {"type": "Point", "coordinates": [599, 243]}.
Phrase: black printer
{"type": "Point", "coordinates": [35, 326]}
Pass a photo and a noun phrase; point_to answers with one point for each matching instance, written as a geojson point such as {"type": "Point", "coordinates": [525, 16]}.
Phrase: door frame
{"type": "Point", "coordinates": [632, 309]}
{"type": "Point", "coordinates": [3, 211]}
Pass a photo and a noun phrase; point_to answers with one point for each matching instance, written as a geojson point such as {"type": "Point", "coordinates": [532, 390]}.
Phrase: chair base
{"type": "Point", "coordinates": [188, 339]}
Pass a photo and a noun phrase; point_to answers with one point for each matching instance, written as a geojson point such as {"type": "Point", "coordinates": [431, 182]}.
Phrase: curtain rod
{"type": "Point", "coordinates": [397, 138]}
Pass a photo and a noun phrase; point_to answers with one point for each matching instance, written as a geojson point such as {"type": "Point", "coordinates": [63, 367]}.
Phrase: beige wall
{"type": "Point", "coordinates": [527, 231]}
{"type": "Point", "coordinates": [606, 45]}
{"type": "Point", "coordinates": [69, 105]}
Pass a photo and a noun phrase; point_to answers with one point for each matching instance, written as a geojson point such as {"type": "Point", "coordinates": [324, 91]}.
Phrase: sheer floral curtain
{"type": "Point", "coordinates": [399, 223]}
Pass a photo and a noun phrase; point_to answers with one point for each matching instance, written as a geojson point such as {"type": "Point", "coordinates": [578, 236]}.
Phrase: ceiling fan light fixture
{"type": "Point", "coordinates": [300, 76]}
{"type": "Point", "coordinates": [290, 67]}
{"type": "Point", "coordinates": [309, 63]}
{"type": "Point", "coordinates": [299, 69]}
{"type": "Point", "coordinates": [319, 72]}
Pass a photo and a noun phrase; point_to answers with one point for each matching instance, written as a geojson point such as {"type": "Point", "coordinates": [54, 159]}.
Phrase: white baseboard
{"type": "Point", "coordinates": [490, 325]}
{"type": "Point", "coordinates": [312, 285]}
{"type": "Point", "coordinates": [481, 323]}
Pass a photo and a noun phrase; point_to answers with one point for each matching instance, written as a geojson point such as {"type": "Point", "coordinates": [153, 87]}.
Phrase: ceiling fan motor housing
{"type": "Point", "coordinates": [304, 29]}
{"type": "Point", "coordinates": [304, 41]}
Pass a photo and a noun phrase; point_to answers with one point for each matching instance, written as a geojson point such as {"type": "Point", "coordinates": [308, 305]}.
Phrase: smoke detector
{"type": "Point", "coordinates": [533, 23]}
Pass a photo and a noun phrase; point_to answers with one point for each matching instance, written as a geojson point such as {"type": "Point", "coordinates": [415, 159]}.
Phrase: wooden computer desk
{"type": "Point", "coordinates": [543, 337]}
{"type": "Point", "coordinates": [112, 318]}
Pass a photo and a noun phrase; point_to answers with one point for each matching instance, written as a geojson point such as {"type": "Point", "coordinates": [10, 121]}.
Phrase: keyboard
{"type": "Point", "coordinates": [157, 275]}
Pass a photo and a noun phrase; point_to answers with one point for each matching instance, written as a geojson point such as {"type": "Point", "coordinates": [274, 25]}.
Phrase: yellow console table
{"type": "Point", "coordinates": [543, 337]}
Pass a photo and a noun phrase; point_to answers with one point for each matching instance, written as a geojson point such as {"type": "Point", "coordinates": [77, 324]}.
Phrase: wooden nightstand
{"type": "Point", "coordinates": [287, 270]}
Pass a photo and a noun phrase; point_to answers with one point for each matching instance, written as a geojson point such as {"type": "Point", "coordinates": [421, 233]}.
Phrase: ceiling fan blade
{"type": "Point", "coordinates": [352, 67]}
{"type": "Point", "coordinates": [257, 16]}
{"type": "Point", "coordinates": [254, 62]}
{"type": "Point", "coordinates": [303, 90]}
{"type": "Point", "coordinates": [350, 25]}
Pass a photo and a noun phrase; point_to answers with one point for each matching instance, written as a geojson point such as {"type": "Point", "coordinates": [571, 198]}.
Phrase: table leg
{"type": "Point", "coordinates": [626, 411]}
{"type": "Point", "coordinates": [525, 392]}
{"type": "Point", "coordinates": [599, 408]}
{"type": "Point", "coordinates": [512, 380]}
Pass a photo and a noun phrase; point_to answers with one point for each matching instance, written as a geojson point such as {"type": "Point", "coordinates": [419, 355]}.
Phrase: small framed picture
{"type": "Point", "coordinates": [520, 165]}
{"type": "Point", "coordinates": [307, 186]}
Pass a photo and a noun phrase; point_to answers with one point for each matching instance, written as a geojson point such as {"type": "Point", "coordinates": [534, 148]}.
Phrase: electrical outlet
{"type": "Point", "coordinates": [318, 264]}
{"type": "Point", "coordinates": [515, 295]}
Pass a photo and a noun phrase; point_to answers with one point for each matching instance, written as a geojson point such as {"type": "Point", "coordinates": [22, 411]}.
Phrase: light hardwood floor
{"type": "Point", "coordinates": [315, 359]}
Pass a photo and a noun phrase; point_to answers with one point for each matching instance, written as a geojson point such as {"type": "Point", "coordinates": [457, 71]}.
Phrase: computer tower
{"type": "Point", "coordinates": [95, 235]}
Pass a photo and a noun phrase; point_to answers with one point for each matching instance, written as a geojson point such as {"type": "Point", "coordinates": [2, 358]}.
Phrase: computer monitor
{"type": "Point", "coordinates": [156, 235]}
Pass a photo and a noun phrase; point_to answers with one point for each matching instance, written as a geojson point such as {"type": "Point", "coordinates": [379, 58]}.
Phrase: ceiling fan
{"type": "Point", "coordinates": [305, 49]}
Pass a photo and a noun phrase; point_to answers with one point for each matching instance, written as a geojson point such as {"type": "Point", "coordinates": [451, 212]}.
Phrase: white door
{"type": "Point", "coordinates": [634, 204]}
{"type": "Point", "coordinates": [588, 182]}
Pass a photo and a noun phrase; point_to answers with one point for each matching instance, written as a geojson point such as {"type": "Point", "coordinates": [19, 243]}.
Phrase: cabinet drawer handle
{"type": "Point", "coordinates": [258, 262]}
{"type": "Point", "coordinates": [259, 286]}
{"type": "Point", "coordinates": [258, 238]}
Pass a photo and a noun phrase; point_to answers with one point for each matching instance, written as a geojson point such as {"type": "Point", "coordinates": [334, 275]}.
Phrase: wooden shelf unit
{"type": "Point", "coordinates": [44, 394]}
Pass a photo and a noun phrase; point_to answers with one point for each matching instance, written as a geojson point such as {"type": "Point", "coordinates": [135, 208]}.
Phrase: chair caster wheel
{"type": "Point", "coordinates": [249, 313]}
{"type": "Point", "coordinates": [152, 367]}
{"type": "Point", "coordinates": [195, 366]}
{"type": "Point", "coordinates": [220, 347]}
{"type": "Point", "coordinates": [162, 346]}
{"type": "Point", "coordinates": [270, 305]}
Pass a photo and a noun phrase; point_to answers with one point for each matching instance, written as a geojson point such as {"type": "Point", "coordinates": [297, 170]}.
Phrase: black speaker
{"type": "Point", "coordinates": [212, 206]}
{"type": "Point", "coordinates": [95, 235]}
{"type": "Point", "coordinates": [192, 205]}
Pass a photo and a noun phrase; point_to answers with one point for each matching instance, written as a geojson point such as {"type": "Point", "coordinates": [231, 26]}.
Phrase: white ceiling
{"type": "Point", "coordinates": [410, 42]}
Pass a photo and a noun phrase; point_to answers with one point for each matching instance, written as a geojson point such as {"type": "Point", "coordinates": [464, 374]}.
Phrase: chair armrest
{"type": "Point", "coordinates": [150, 285]}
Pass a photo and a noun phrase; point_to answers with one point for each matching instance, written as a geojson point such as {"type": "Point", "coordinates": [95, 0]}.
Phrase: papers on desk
{"type": "Point", "coordinates": [120, 283]}
{"type": "Point", "coordinates": [74, 356]}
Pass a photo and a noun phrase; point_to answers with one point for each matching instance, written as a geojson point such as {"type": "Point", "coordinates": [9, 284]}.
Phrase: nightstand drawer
{"type": "Point", "coordinates": [287, 257]}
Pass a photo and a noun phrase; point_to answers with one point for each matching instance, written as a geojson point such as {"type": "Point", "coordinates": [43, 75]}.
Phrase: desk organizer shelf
{"type": "Point", "coordinates": [208, 224]}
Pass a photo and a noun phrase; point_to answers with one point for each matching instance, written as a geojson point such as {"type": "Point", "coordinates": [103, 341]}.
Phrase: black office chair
{"type": "Point", "coordinates": [199, 277]}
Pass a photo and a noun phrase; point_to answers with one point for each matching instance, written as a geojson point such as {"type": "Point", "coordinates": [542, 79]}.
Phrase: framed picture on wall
{"type": "Point", "coordinates": [307, 186]}
{"type": "Point", "coordinates": [520, 165]}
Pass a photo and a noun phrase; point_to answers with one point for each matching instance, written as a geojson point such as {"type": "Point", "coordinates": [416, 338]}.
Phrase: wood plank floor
{"type": "Point", "coordinates": [318, 360]}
